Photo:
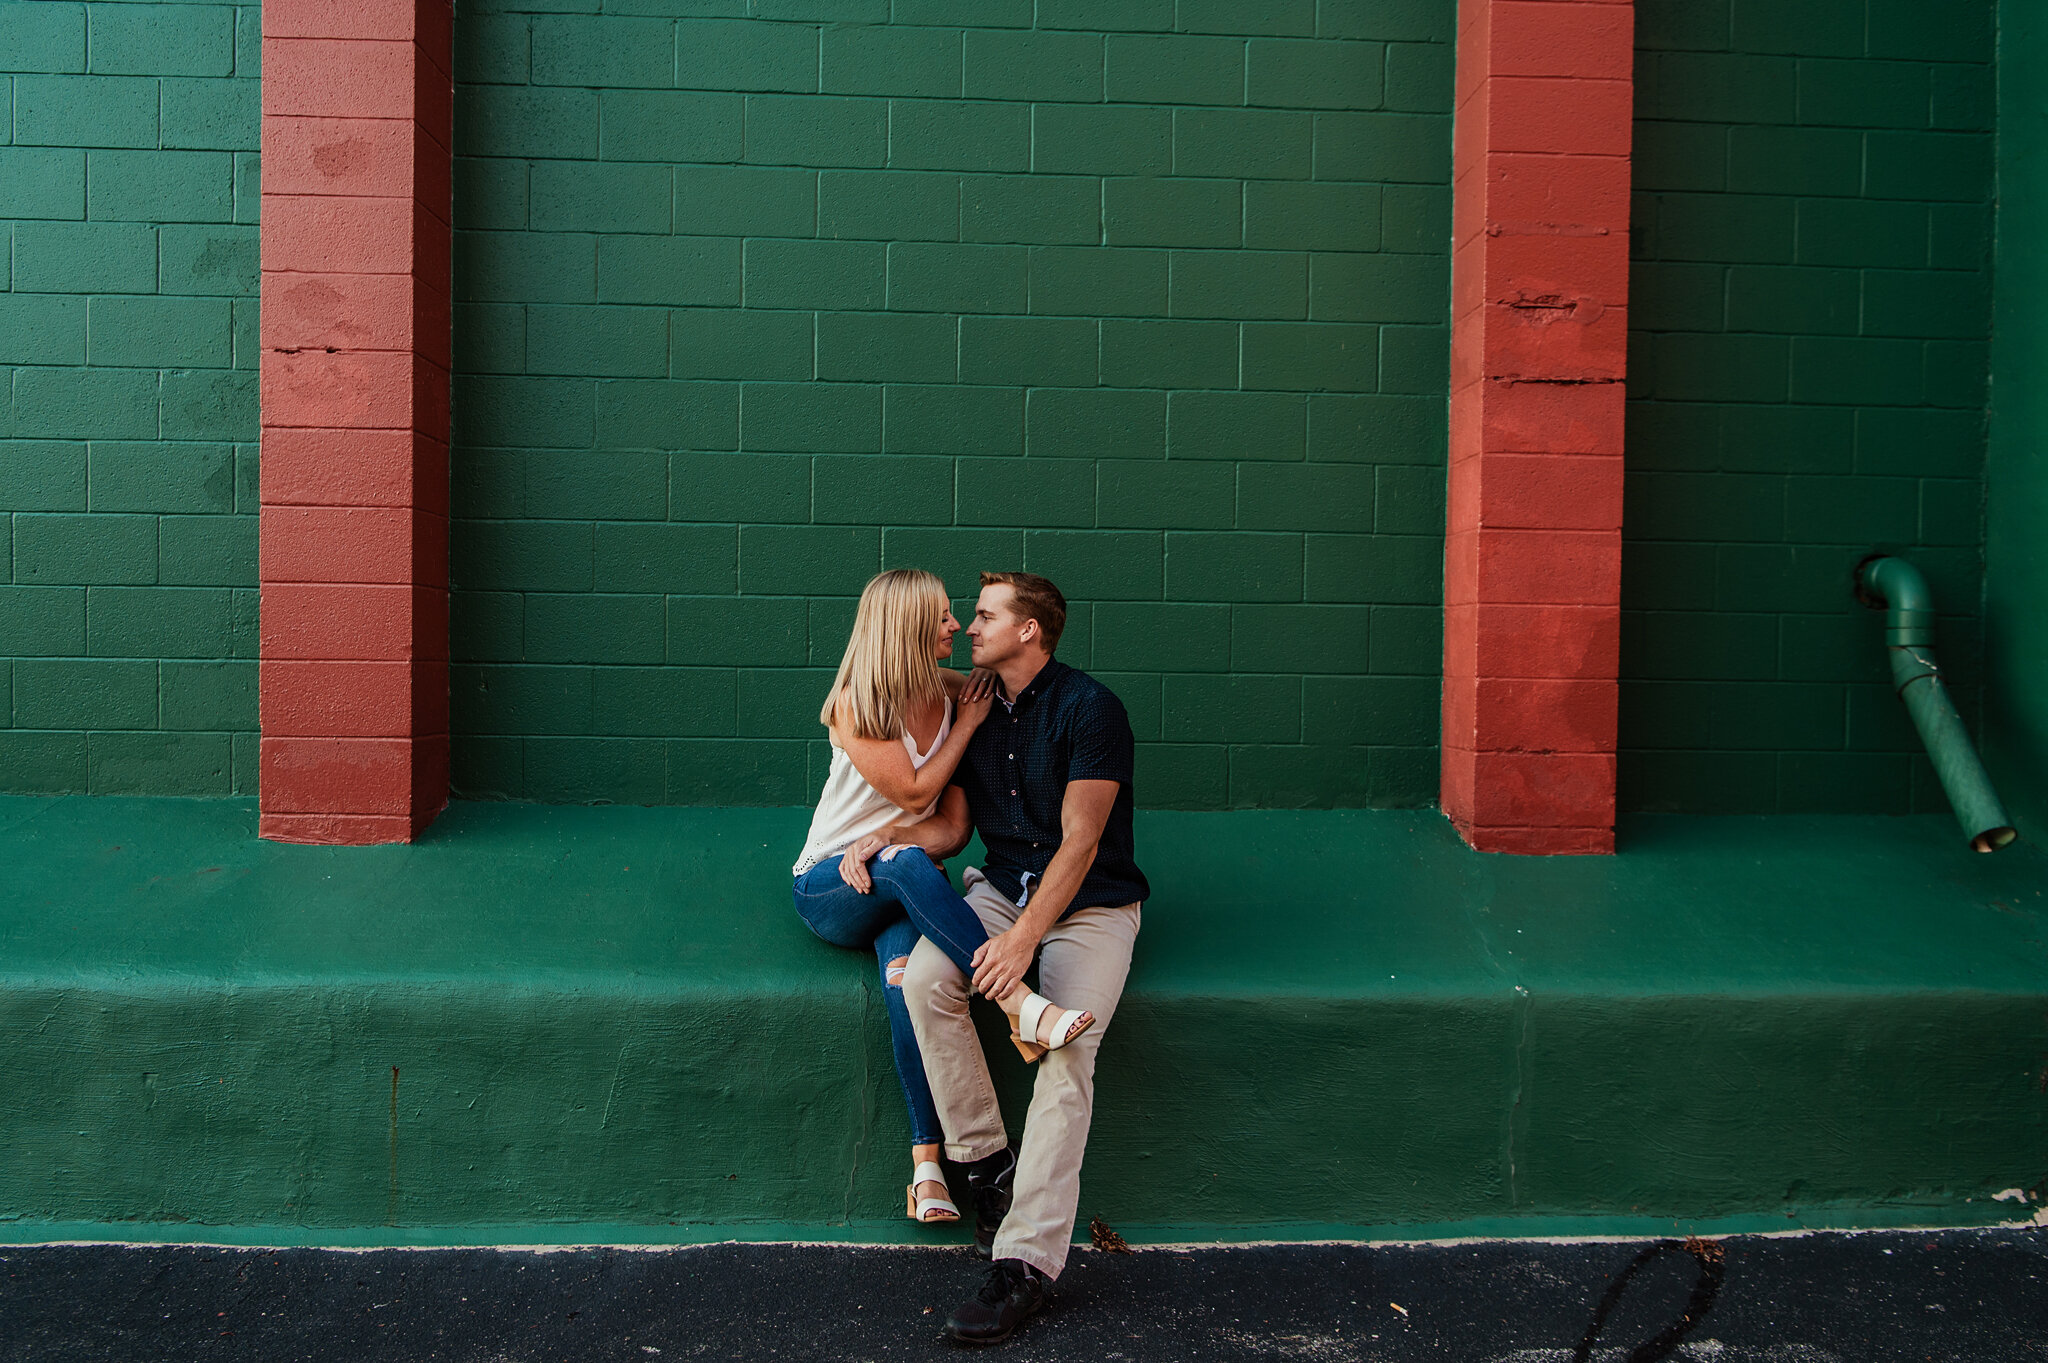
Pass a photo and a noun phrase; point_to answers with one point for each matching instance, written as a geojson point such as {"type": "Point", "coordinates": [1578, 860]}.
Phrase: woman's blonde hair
{"type": "Point", "coordinates": [889, 669]}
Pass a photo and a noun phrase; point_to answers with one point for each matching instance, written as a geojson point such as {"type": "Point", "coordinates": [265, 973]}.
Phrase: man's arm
{"type": "Point", "coordinates": [1084, 811]}
{"type": "Point", "coordinates": [942, 834]}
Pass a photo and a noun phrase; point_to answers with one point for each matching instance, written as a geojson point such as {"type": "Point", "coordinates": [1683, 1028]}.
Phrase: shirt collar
{"type": "Point", "coordinates": [1047, 675]}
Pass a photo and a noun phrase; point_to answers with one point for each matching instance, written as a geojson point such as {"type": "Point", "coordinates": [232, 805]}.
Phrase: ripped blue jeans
{"type": "Point", "coordinates": [912, 898]}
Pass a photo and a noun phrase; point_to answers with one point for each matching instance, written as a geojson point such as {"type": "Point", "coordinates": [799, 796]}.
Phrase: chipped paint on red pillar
{"type": "Point", "coordinates": [1539, 338]}
{"type": "Point", "coordinates": [356, 239]}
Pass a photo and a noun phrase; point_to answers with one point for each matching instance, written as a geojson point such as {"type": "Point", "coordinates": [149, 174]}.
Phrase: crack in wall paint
{"type": "Point", "coordinates": [391, 1194]}
{"type": "Point", "coordinates": [612, 1094]}
{"type": "Point", "coordinates": [1515, 1118]}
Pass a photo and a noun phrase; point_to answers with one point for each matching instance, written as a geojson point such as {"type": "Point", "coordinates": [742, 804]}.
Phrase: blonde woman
{"type": "Point", "coordinates": [899, 723]}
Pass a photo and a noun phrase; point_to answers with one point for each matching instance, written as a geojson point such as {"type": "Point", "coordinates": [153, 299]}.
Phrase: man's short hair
{"type": "Point", "coordinates": [1035, 598]}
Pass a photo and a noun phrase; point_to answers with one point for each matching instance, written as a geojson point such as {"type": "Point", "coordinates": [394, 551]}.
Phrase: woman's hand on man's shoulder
{"type": "Point", "coordinates": [977, 697]}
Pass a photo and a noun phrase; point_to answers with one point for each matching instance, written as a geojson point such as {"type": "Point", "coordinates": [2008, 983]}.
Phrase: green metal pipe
{"type": "Point", "coordinates": [1897, 586]}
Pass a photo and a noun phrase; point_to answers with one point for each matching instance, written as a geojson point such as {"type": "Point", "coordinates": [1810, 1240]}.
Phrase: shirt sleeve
{"type": "Point", "coordinates": [1103, 746]}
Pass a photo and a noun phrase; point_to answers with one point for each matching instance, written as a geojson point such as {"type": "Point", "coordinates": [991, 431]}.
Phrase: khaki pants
{"type": "Point", "coordinates": [1081, 964]}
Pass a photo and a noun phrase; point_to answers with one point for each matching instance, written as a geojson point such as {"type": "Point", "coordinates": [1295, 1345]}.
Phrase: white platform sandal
{"type": "Point", "coordinates": [928, 1211]}
{"type": "Point", "coordinates": [1064, 1029]}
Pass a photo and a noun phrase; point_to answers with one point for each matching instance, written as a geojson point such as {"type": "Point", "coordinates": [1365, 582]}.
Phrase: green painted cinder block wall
{"type": "Point", "coordinates": [2016, 473]}
{"type": "Point", "coordinates": [1137, 297]}
{"type": "Point", "coordinates": [128, 195]}
{"type": "Point", "coordinates": [1810, 310]}
{"type": "Point", "coordinates": [1150, 300]}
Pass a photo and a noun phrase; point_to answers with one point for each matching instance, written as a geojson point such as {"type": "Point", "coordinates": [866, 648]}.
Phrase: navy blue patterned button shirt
{"type": "Point", "coordinates": [1065, 726]}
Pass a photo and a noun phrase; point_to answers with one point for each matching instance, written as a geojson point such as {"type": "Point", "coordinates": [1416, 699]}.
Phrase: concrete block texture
{"type": "Point", "coordinates": [966, 288]}
{"type": "Point", "coordinates": [356, 261]}
{"type": "Point", "coordinates": [1539, 305]}
{"type": "Point", "coordinates": [1808, 240]}
{"type": "Point", "coordinates": [128, 455]}
{"type": "Point", "coordinates": [748, 303]}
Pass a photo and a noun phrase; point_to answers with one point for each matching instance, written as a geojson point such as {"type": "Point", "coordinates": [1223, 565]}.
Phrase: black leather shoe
{"type": "Point", "coordinates": [990, 1180]}
{"type": "Point", "coordinates": [1012, 1293]}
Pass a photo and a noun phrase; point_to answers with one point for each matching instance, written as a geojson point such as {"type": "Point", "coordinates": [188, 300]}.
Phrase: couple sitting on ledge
{"type": "Point", "coordinates": [921, 758]}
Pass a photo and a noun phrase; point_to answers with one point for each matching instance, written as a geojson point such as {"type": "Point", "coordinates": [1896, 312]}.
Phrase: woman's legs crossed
{"type": "Point", "coordinates": [837, 912]}
{"type": "Point", "coordinates": [947, 921]}
{"type": "Point", "coordinates": [845, 917]}
{"type": "Point", "coordinates": [914, 881]}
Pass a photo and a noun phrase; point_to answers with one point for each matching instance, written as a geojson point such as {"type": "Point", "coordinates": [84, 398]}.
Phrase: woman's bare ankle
{"type": "Point", "coordinates": [920, 1154]}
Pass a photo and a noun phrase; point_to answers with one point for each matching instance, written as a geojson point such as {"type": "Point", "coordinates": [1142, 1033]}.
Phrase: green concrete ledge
{"type": "Point", "coordinates": [607, 1025]}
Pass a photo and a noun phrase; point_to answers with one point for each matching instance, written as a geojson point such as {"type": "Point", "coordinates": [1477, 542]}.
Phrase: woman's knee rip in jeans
{"type": "Point", "coordinates": [893, 945]}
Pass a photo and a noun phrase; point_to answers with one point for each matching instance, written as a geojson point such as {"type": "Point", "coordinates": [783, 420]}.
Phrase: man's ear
{"type": "Point", "coordinates": [1029, 632]}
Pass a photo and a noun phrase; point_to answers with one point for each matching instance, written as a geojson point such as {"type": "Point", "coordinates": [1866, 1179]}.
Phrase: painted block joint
{"type": "Point", "coordinates": [1539, 339]}
{"type": "Point", "coordinates": [356, 246]}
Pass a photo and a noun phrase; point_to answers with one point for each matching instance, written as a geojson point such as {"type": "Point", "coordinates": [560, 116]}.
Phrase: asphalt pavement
{"type": "Point", "coordinates": [1976, 1295]}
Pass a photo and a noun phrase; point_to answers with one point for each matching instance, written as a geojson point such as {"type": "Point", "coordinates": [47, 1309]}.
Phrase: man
{"type": "Point", "coordinates": [1046, 780]}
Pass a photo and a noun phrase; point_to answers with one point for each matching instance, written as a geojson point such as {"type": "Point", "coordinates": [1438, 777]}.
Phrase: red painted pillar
{"type": "Point", "coordinates": [357, 167]}
{"type": "Point", "coordinates": [1539, 336]}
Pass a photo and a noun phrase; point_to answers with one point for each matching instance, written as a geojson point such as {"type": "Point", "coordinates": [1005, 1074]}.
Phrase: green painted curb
{"type": "Point", "coordinates": [609, 1022]}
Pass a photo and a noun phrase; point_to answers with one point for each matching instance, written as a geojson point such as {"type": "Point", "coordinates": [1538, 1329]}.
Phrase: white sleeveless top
{"type": "Point", "coordinates": [850, 808]}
